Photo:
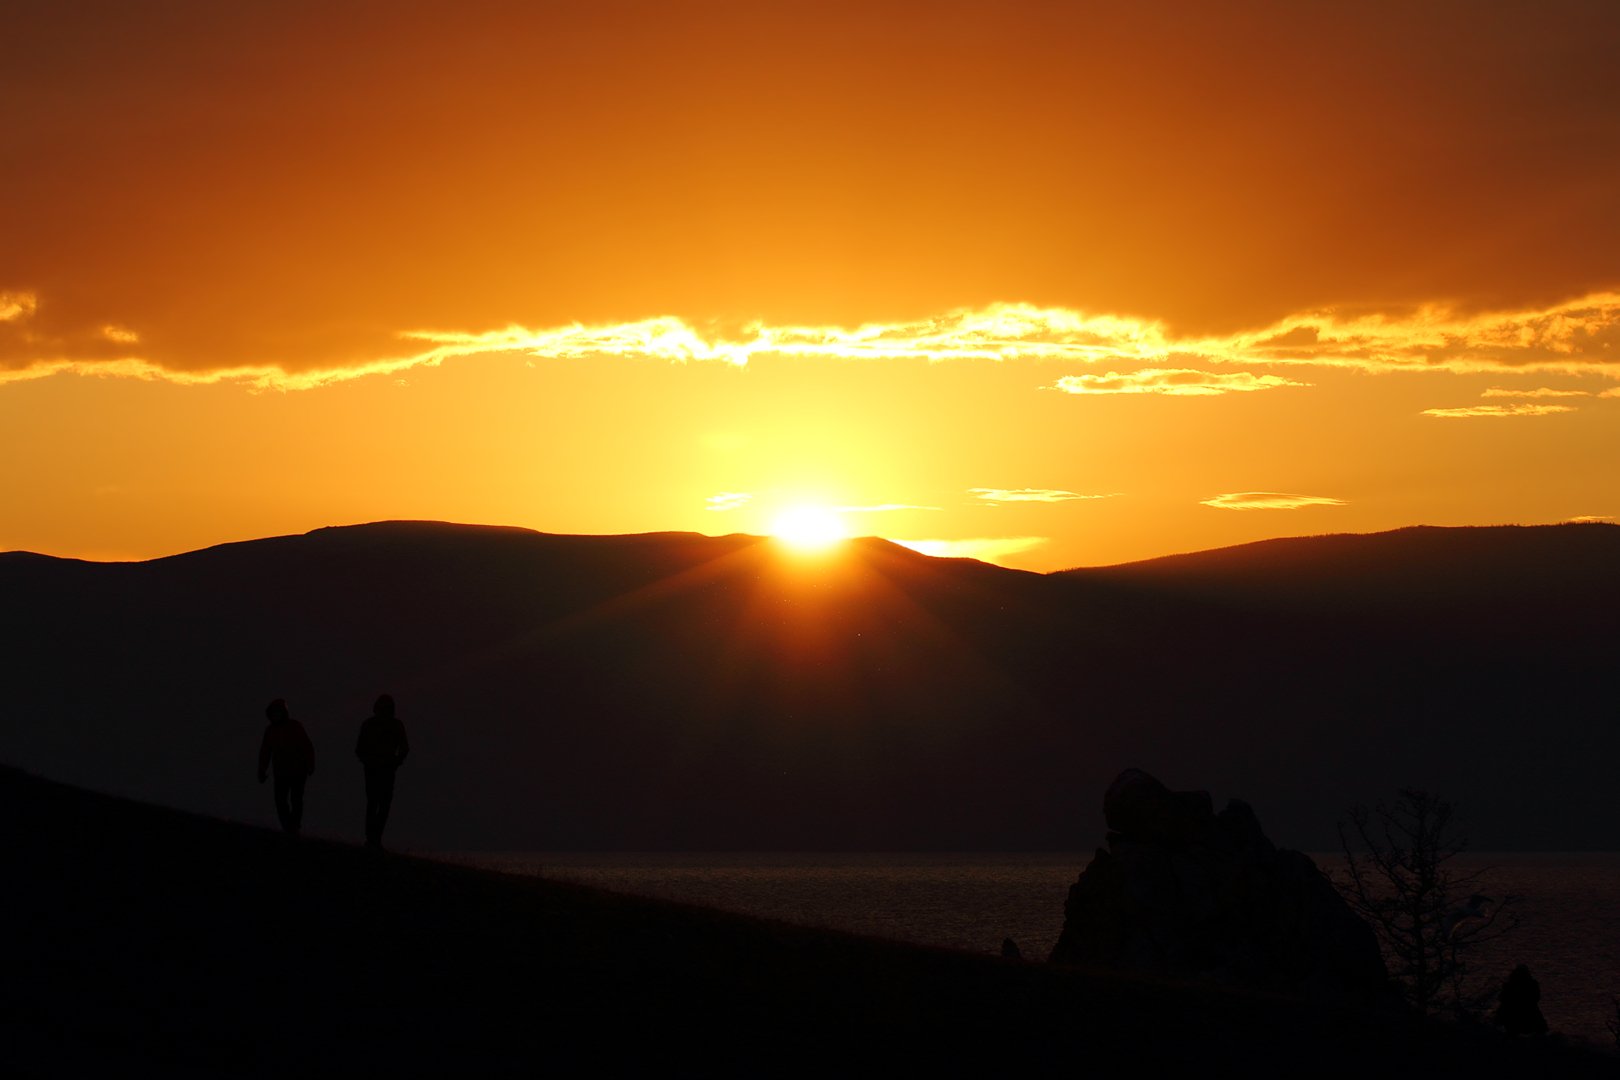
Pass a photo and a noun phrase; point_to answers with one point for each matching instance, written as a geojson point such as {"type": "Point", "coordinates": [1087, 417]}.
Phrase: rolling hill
{"type": "Point", "coordinates": [687, 692]}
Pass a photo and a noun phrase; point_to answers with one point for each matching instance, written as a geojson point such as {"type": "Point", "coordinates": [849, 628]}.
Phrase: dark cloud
{"type": "Point", "coordinates": [262, 185]}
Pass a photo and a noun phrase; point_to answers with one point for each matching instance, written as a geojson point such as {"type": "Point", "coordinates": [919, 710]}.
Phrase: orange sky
{"type": "Point", "coordinates": [1051, 283]}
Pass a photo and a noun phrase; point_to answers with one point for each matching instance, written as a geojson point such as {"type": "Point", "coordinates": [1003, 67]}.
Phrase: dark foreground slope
{"type": "Point", "coordinates": [673, 691]}
{"type": "Point", "coordinates": [143, 941]}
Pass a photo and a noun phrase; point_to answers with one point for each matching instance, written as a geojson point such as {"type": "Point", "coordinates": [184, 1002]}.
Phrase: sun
{"type": "Point", "coordinates": [809, 528]}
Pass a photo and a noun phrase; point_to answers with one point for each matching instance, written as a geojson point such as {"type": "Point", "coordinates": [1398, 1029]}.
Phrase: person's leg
{"type": "Point", "coordinates": [385, 798]}
{"type": "Point", "coordinates": [295, 804]}
{"type": "Point", "coordinates": [283, 804]}
{"type": "Point", "coordinates": [373, 832]}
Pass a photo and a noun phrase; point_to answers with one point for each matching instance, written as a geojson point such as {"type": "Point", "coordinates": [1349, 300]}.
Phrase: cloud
{"type": "Point", "coordinates": [984, 548]}
{"type": "Point", "coordinates": [252, 377]}
{"type": "Point", "coordinates": [1590, 519]}
{"type": "Point", "coordinates": [1579, 336]}
{"type": "Point", "coordinates": [1267, 500]}
{"type": "Point", "coordinates": [15, 306]}
{"type": "Point", "coordinates": [1541, 392]}
{"type": "Point", "coordinates": [43, 350]}
{"type": "Point", "coordinates": [996, 332]}
{"type": "Point", "coordinates": [208, 206]}
{"type": "Point", "coordinates": [728, 500]}
{"type": "Point", "coordinates": [1472, 411]}
{"type": "Point", "coordinates": [1615, 392]}
{"type": "Point", "coordinates": [1175, 382]}
{"type": "Point", "coordinates": [1040, 495]}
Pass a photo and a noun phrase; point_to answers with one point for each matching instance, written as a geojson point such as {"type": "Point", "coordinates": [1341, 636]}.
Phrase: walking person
{"type": "Point", "coordinates": [286, 749]}
{"type": "Point", "coordinates": [381, 748]}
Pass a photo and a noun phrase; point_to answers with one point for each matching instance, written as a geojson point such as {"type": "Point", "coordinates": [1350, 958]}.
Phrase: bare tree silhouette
{"type": "Point", "coordinates": [1427, 915]}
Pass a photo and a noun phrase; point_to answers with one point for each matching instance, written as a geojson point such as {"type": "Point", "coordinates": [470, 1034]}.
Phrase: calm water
{"type": "Point", "coordinates": [1569, 933]}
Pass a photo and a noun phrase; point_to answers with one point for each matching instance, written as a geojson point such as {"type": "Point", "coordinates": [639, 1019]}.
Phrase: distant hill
{"type": "Point", "coordinates": [1480, 568]}
{"type": "Point", "coordinates": [677, 691]}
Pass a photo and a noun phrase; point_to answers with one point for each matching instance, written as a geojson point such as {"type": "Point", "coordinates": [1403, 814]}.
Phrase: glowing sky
{"type": "Point", "coordinates": [1052, 284]}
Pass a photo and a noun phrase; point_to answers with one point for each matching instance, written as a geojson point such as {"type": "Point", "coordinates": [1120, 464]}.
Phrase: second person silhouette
{"type": "Point", "coordinates": [381, 748]}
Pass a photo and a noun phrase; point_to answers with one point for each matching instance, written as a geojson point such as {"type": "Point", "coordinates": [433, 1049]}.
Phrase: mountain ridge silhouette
{"type": "Point", "coordinates": [673, 690]}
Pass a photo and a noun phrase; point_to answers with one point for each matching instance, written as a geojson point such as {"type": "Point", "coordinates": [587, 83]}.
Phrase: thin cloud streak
{"type": "Point", "coordinates": [1579, 336]}
{"type": "Point", "coordinates": [996, 332]}
{"type": "Point", "coordinates": [1470, 412]}
{"type": "Point", "coordinates": [728, 500]}
{"type": "Point", "coordinates": [1035, 495]}
{"type": "Point", "coordinates": [1173, 382]}
{"type": "Point", "coordinates": [1267, 500]}
{"type": "Point", "coordinates": [255, 378]}
{"type": "Point", "coordinates": [1540, 392]}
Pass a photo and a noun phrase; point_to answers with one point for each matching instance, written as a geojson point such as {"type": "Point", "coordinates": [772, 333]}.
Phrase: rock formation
{"type": "Point", "coordinates": [1185, 892]}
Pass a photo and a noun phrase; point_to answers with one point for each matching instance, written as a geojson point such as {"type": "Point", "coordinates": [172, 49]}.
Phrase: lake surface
{"type": "Point", "coordinates": [1569, 933]}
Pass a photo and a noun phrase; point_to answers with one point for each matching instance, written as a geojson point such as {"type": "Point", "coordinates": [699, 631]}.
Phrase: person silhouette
{"type": "Point", "coordinates": [381, 748]}
{"type": "Point", "coordinates": [286, 748]}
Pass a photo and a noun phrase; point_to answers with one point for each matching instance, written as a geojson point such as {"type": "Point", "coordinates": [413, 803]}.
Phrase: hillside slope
{"type": "Point", "coordinates": [159, 943]}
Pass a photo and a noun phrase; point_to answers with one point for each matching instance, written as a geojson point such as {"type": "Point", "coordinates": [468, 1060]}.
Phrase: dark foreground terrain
{"type": "Point", "coordinates": [146, 941]}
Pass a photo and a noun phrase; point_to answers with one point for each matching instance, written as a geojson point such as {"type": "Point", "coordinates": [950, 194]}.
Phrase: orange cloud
{"type": "Point", "coordinates": [728, 500]}
{"type": "Point", "coordinates": [1576, 336]}
{"type": "Point", "coordinates": [1472, 411]}
{"type": "Point", "coordinates": [1267, 500]}
{"type": "Point", "coordinates": [297, 206]}
{"type": "Point", "coordinates": [996, 332]}
{"type": "Point", "coordinates": [1580, 336]}
{"type": "Point", "coordinates": [1180, 382]}
{"type": "Point", "coordinates": [1540, 392]}
{"type": "Point", "coordinates": [17, 305]}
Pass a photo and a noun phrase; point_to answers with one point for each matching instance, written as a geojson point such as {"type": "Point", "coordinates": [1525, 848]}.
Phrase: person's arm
{"type": "Point", "coordinates": [309, 753]}
{"type": "Point", "coordinates": [264, 755]}
{"type": "Point", "coordinates": [359, 743]}
{"type": "Point", "coordinates": [404, 747]}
